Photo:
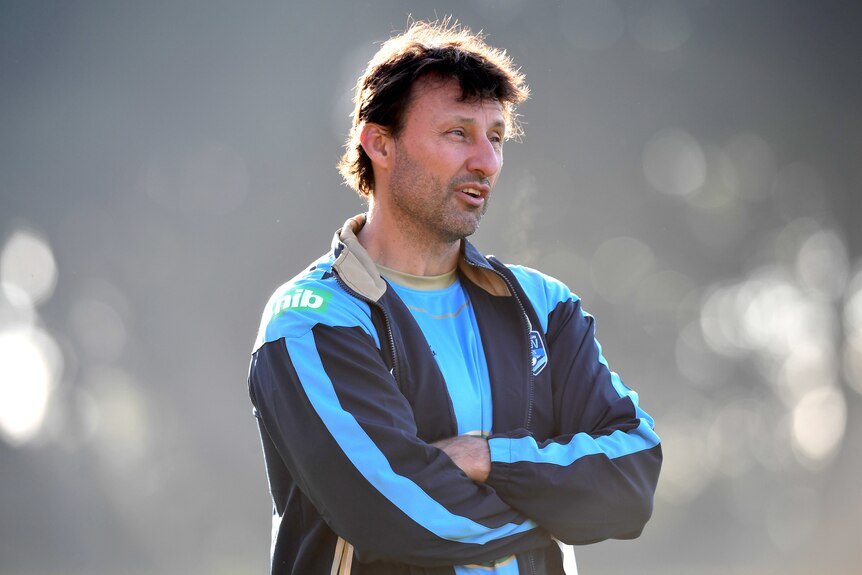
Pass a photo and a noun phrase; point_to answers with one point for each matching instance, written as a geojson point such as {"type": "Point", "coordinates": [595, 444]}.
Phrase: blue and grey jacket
{"type": "Point", "coordinates": [349, 398]}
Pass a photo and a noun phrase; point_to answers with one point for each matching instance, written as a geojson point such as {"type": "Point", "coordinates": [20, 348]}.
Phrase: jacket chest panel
{"type": "Point", "coordinates": [507, 349]}
{"type": "Point", "coordinates": [418, 375]}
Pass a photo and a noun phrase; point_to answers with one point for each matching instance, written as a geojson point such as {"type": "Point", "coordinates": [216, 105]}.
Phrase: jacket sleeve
{"type": "Point", "coordinates": [595, 479]}
{"type": "Point", "coordinates": [347, 435]}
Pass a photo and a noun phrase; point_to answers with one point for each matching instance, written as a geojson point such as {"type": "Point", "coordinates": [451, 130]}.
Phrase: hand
{"type": "Point", "coordinates": [470, 453]}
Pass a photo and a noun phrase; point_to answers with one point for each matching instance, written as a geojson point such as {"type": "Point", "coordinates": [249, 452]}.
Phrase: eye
{"type": "Point", "coordinates": [458, 132]}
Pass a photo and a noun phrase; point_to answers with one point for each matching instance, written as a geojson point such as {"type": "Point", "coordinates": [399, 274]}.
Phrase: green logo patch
{"type": "Point", "coordinates": [302, 300]}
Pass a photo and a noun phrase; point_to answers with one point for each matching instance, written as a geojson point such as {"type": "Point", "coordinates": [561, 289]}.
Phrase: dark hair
{"type": "Point", "coordinates": [437, 48]}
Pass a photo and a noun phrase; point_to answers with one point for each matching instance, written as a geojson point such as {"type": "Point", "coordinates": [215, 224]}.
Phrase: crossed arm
{"type": "Point", "coordinates": [462, 499]}
{"type": "Point", "coordinates": [470, 453]}
{"type": "Point", "coordinates": [595, 478]}
{"type": "Point", "coordinates": [336, 418]}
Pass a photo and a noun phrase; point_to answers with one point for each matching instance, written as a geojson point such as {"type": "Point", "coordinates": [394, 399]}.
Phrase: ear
{"type": "Point", "coordinates": [377, 143]}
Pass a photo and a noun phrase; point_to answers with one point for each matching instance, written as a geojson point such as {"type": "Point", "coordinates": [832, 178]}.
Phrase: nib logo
{"type": "Point", "coordinates": [302, 300]}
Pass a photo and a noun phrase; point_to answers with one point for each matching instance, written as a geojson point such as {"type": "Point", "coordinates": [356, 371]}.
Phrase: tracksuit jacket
{"type": "Point", "coordinates": [348, 399]}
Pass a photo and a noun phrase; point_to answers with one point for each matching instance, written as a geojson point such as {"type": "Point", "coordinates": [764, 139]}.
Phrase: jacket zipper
{"type": "Point", "coordinates": [386, 322]}
{"type": "Point", "coordinates": [525, 322]}
{"type": "Point", "coordinates": [529, 327]}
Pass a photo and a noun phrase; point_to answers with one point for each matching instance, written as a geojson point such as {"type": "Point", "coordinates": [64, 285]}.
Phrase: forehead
{"type": "Point", "coordinates": [437, 99]}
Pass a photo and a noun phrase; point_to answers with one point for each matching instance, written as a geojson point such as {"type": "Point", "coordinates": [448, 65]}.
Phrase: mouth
{"type": "Point", "coordinates": [476, 191]}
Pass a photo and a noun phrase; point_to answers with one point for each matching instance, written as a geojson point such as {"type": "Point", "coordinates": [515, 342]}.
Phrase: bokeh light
{"type": "Point", "coordinates": [811, 365]}
{"type": "Point", "coordinates": [819, 423]}
{"type": "Point", "coordinates": [788, 240]}
{"type": "Point", "coordinates": [16, 308]}
{"type": "Point", "coordinates": [719, 190]}
{"type": "Point", "coordinates": [27, 268]}
{"type": "Point", "coordinates": [853, 304]}
{"type": "Point", "coordinates": [777, 317]}
{"type": "Point", "coordinates": [619, 265]}
{"type": "Point", "coordinates": [852, 353]}
{"type": "Point", "coordinates": [720, 321]}
{"type": "Point", "coordinates": [852, 361]}
{"type": "Point", "coordinates": [674, 163]}
{"type": "Point", "coordinates": [768, 313]}
{"type": "Point", "coordinates": [72, 418]}
{"type": "Point", "coordinates": [823, 264]}
{"type": "Point", "coordinates": [98, 321]}
{"type": "Point", "coordinates": [30, 367]}
{"type": "Point", "coordinates": [782, 317]}
{"type": "Point", "coordinates": [123, 418]}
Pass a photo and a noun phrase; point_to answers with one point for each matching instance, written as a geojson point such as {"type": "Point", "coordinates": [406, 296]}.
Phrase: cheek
{"type": "Point", "coordinates": [444, 163]}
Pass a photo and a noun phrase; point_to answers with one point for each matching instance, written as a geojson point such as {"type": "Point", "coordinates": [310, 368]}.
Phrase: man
{"type": "Point", "coordinates": [424, 409]}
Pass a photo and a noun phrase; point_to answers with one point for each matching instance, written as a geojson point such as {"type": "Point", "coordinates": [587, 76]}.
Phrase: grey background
{"type": "Point", "coordinates": [691, 169]}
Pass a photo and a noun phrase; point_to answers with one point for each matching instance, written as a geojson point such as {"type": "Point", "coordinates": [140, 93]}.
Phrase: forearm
{"type": "Point", "coordinates": [592, 473]}
{"type": "Point", "coordinates": [358, 468]}
{"type": "Point", "coordinates": [470, 453]}
{"type": "Point", "coordinates": [580, 488]}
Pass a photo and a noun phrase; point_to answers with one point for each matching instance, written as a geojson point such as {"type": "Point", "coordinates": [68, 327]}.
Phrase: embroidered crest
{"type": "Point", "coordinates": [537, 350]}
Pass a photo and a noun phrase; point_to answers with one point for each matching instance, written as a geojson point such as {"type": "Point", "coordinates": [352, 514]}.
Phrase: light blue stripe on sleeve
{"type": "Point", "coordinates": [372, 463]}
{"type": "Point", "coordinates": [543, 291]}
{"type": "Point", "coordinates": [617, 444]}
{"type": "Point", "coordinates": [542, 288]}
{"type": "Point", "coordinates": [341, 311]}
{"type": "Point", "coordinates": [623, 390]}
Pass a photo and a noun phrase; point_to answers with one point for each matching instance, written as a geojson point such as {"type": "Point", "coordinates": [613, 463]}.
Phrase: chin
{"type": "Point", "coordinates": [463, 232]}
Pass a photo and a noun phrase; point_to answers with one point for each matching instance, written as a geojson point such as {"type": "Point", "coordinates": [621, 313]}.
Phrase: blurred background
{"type": "Point", "coordinates": [691, 169]}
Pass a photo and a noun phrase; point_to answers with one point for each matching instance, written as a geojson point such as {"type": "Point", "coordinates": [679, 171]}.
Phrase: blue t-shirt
{"type": "Point", "coordinates": [440, 306]}
{"type": "Point", "coordinates": [449, 325]}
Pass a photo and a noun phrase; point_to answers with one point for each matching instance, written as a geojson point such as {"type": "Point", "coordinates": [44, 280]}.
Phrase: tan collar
{"type": "Point", "coordinates": [421, 283]}
{"type": "Point", "coordinates": [359, 272]}
{"type": "Point", "coordinates": [354, 266]}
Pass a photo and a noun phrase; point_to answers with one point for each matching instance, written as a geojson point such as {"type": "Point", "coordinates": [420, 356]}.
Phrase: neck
{"type": "Point", "coordinates": [408, 249]}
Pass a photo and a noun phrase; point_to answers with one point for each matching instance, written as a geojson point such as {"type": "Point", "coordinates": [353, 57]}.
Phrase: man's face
{"type": "Point", "coordinates": [447, 158]}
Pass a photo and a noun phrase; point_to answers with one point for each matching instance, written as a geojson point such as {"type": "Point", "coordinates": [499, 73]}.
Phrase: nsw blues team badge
{"type": "Point", "coordinates": [537, 350]}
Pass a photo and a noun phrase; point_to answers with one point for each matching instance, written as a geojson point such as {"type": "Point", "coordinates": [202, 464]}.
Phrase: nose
{"type": "Point", "coordinates": [485, 159]}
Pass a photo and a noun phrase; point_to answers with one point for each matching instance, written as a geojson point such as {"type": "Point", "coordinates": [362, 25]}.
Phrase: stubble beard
{"type": "Point", "coordinates": [428, 207]}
